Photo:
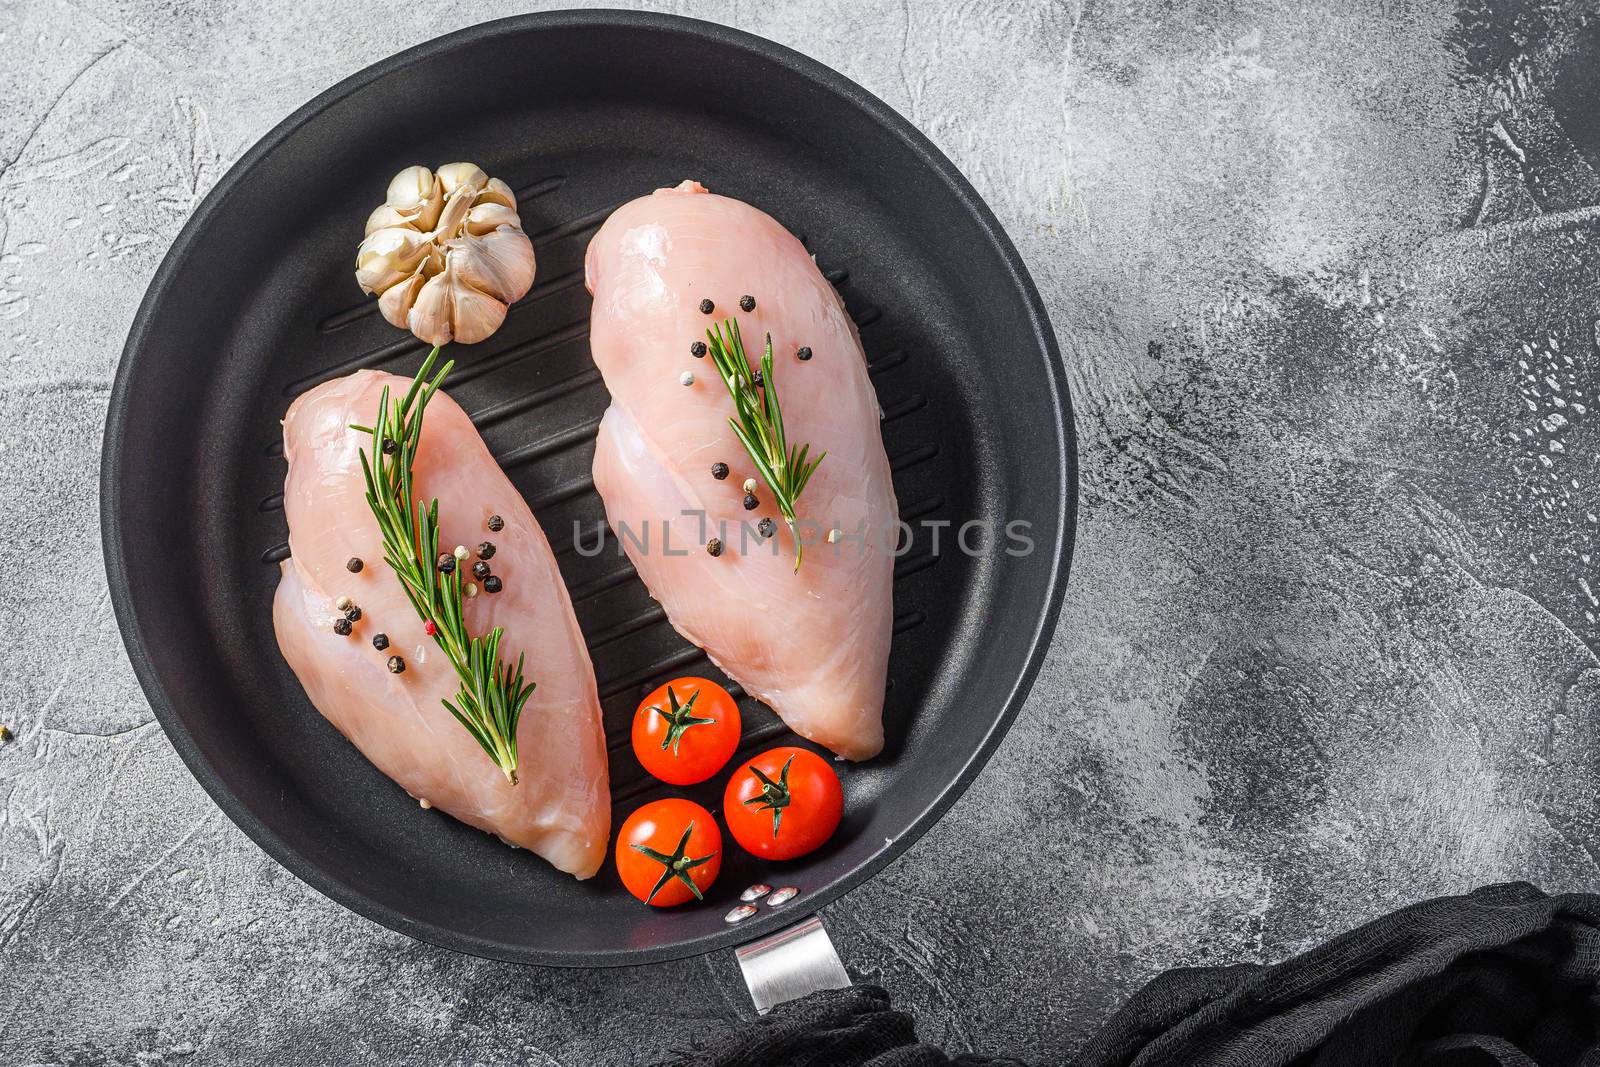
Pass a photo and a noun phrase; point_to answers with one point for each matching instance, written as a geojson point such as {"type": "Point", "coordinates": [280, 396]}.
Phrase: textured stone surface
{"type": "Point", "coordinates": [1327, 283]}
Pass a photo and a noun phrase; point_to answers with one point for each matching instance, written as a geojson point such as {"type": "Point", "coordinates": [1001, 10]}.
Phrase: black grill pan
{"type": "Point", "coordinates": [256, 302]}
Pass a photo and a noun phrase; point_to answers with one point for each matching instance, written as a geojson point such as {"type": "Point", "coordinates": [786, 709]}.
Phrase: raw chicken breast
{"type": "Point", "coordinates": [560, 808]}
{"type": "Point", "coordinates": [814, 645]}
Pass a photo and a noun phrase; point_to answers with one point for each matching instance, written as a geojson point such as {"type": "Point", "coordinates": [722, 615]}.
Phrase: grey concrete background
{"type": "Point", "coordinates": [1327, 281]}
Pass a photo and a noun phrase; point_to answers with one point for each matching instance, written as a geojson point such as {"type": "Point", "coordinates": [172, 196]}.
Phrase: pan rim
{"type": "Point", "coordinates": [113, 487]}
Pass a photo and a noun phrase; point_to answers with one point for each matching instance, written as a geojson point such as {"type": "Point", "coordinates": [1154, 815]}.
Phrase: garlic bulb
{"type": "Point", "coordinates": [445, 253]}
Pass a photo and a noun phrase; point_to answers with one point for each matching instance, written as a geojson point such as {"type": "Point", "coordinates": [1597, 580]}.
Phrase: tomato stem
{"type": "Point", "coordinates": [679, 719]}
{"type": "Point", "coordinates": [775, 796]}
{"type": "Point", "coordinates": [678, 865]}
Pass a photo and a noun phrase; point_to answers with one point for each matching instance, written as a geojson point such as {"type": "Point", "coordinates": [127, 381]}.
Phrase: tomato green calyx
{"type": "Point", "coordinates": [774, 795]}
{"type": "Point", "coordinates": [679, 719]}
{"type": "Point", "coordinates": [676, 865]}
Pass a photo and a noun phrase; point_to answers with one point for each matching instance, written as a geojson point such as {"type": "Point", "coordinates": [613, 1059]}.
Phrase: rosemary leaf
{"type": "Point", "coordinates": [758, 423]}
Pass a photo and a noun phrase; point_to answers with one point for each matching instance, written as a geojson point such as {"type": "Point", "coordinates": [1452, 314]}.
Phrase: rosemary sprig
{"type": "Point", "coordinates": [491, 693]}
{"type": "Point", "coordinates": [784, 467]}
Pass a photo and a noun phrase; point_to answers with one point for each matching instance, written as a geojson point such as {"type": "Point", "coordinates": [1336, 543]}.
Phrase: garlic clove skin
{"type": "Point", "coordinates": [487, 217]}
{"type": "Point", "coordinates": [499, 264]}
{"type": "Point", "coordinates": [453, 176]}
{"type": "Point", "coordinates": [429, 317]}
{"type": "Point", "coordinates": [475, 314]}
{"type": "Point", "coordinates": [410, 187]}
{"type": "Point", "coordinates": [397, 300]}
{"type": "Point", "coordinates": [388, 255]}
{"type": "Point", "coordinates": [415, 193]}
{"type": "Point", "coordinates": [452, 305]}
{"type": "Point", "coordinates": [498, 192]}
{"type": "Point", "coordinates": [385, 215]}
{"type": "Point", "coordinates": [455, 212]}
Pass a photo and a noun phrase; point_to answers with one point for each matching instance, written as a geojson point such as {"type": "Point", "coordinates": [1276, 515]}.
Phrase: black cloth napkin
{"type": "Point", "coordinates": [1501, 976]}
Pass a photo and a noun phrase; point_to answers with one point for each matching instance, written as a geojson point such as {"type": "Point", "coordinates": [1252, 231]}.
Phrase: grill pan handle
{"type": "Point", "coordinates": [789, 964]}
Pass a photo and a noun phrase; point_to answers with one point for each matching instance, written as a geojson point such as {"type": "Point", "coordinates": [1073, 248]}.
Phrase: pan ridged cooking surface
{"type": "Point", "coordinates": [257, 303]}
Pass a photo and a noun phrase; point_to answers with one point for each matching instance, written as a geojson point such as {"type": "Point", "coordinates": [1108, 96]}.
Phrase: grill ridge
{"type": "Point", "coordinates": [549, 446]}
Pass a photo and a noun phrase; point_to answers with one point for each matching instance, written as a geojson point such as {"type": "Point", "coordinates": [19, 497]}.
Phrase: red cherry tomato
{"type": "Point", "coordinates": [685, 731]}
{"type": "Point", "coordinates": [784, 803]}
{"type": "Point", "coordinates": [669, 852]}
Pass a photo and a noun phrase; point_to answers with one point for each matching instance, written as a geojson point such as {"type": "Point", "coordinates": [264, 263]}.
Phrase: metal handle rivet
{"type": "Point", "coordinates": [740, 913]}
{"type": "Point", "coordinates": [782, 896]}
{"type": "Point", "coordinates": [755, 892]}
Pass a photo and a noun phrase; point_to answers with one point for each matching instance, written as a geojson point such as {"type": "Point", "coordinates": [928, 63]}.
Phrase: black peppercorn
{"type": "Point", "coordinates": [380, 641]}
{"type": "Point", "coordinates": [803, 354]}
{"type": "Point", "coordinates": [397, 665]}
{"type": "Point", "coordinates": [714, 546]}
{"type": "Point", "coordinates": [342, 627]}
{"type": "Point", "coordinates": [486, 550]}
{"type": "Point", "coordinates": [747, 303]}
{"type": "Point", "coordinates": [766, 527]}
{"type": "Point", "coordinates": [390, 446]}
{"type": "Point", "coordinates": [353, 613]}
{"type": "Point", "coordinates": [698, 349]}
{"type": "Point", "coordinates": [354, 564]}
{"type": "Point", "coordinates": [493, 584]}
{"type": "Point", "coordinates": [496, 524]}
{"type": "Point", "coordinates": [446, 563]}
{"type": "Point", "coordinates": [707, 307]}
{"type": "Point", "coordinates": [719, 471]}
{"type": "Point", "coordinates": [758, 379]}
{"type": "Point", "coordinates": [750, 502]}
{"type": "Point", "coordinates": [480, 570]}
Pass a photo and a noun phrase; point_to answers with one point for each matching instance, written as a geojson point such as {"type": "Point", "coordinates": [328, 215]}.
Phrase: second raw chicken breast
{"type": "Point", "coordinates": [812, 643]}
